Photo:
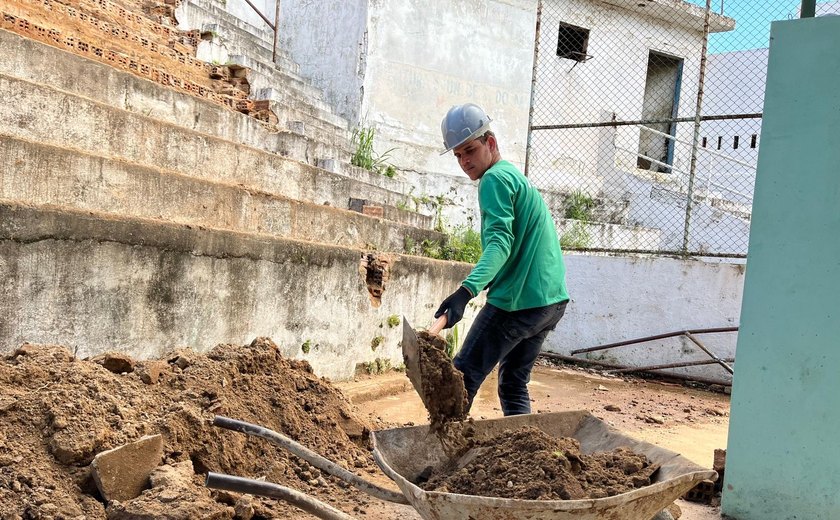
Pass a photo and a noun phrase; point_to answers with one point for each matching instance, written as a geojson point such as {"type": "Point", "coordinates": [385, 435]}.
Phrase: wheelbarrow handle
{"type": "Point", "coordinates": [311, 457]}
{"type": "Point", "coordinates": [261, 488]}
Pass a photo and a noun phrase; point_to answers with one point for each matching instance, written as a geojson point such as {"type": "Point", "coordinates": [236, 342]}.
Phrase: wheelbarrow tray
{"type": "Point", "coordinates": [404, 453]}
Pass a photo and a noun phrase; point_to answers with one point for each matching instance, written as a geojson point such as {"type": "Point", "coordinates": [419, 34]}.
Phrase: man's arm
{"type": "Point", "coordinates": [496, 199]}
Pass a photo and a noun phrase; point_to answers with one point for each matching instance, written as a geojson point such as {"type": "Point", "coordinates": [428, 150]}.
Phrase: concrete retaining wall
{"type": "Point", "coordinates": [96, 283]}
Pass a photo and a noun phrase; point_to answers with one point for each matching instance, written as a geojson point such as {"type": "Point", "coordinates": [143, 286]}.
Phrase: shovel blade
{"type": "Point", "coordinates": [411, 358]}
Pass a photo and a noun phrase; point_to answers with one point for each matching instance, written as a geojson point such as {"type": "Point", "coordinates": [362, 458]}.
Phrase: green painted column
{"type": "Point", "coordinates": [783, 459]}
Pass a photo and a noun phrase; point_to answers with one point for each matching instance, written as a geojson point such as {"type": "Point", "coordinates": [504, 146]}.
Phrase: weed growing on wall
{"type": "Point", "coordinates": [463, 244]}
{"type": "Point", "coordinates": [364, 156]}
{"type": "Point", "coordinates": [579, 206]}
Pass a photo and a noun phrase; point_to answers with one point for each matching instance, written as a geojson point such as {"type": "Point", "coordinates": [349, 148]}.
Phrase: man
{"type": "Point", "coordinates": [521, 264]}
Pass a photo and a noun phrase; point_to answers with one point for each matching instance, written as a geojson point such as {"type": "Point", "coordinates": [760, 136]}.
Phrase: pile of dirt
{"type": "Point", "coordinates": [443, 385]}
{"type": "Point", "coordinates": [527, 463]}
{"type": "Point", "coordinates": [58, 412]}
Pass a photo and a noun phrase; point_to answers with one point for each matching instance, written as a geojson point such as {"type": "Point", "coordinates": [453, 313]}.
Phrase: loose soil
{"type": "Point", "coordinates": [58, 412]}
{"type": "Point", "coordinates": [679, 417]}
{"type": "Point", "coordinates": [443, 385]}
{"type": "Point", "coordinates": [527, 463]}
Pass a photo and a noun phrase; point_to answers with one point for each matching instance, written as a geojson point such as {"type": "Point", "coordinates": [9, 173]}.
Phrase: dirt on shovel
{"type": "Point", "coordinates": [443, 384]}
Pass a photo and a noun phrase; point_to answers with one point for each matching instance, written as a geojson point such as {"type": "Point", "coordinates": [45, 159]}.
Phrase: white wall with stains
{"type": "Point", "coordinates": [617, 298]}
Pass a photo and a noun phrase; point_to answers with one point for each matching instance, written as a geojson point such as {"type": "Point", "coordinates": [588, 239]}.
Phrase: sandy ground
{"type": "Point", "coordinates": [689, 421]}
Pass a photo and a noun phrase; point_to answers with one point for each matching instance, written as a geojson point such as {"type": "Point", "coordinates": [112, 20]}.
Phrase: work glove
{"type": "Point", "coordinates": [453, 306]}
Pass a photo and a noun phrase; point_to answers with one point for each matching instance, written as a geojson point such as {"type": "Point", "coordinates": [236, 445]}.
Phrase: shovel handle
{"type": "Point", "coordinates": [438, 326]}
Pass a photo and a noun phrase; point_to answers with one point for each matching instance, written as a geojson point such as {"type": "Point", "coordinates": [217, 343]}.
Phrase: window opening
{"type": "Point", "coordinates": [735, 142]}
{"type": "Point", "coordinates": [572, 42]}
{"type": "Point", "coordinates": [753, 140]}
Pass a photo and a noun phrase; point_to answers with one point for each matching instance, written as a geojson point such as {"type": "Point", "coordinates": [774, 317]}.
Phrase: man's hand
{"type": "Point", "coordinates": [453, 306]}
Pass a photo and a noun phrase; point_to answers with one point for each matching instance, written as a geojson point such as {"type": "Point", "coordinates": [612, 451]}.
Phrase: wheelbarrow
{"type": "Point", "coordinates": [404, 454]}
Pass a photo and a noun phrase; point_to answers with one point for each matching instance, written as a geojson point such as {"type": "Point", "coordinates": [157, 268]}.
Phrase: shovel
{"type": "Point", "coordinates": [411, 354]}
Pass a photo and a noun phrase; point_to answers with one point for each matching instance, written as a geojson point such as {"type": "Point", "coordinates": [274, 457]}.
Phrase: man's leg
{"type": "Point", "coordinates": [515, 367]}
{"type": "Point", "coordinates": [483, 347]}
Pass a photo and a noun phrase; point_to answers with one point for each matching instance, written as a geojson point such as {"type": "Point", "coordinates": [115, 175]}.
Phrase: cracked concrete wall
{"type": "Point", "coordinates": [93, 284]}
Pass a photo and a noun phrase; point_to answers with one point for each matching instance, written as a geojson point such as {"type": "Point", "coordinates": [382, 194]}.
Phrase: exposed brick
{"type": "Point", "coordinates": [373, 211]}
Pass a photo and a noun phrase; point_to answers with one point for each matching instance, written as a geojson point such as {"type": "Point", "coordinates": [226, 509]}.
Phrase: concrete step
{"type": "Point", "coordinates": [27, 59]}
{"type": "Point", "coordinates": [36, 113]}
{"type": "Point", "coordinates": [192, 14]}
{"type": "Point", "coordinates": [92, 281]}
{"type": "Point", "coordinates": [48, 175]}
{"type": "Point", "coordinates": [263, 75]}
{"type": "Point", "coordinates": [233, 33]}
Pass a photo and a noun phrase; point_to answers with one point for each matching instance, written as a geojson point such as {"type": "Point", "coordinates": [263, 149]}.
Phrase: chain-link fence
{"type": "Point", "coordinates": [646, 120]}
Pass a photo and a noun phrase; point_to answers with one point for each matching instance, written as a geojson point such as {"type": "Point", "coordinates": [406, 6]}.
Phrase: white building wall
{"type": "Point", "coordinates": [612, 81]}
{"type": "Point", "coordinates": [425, 56]}
{"type": "Point", "coordinates": [616, 298]}
{"type": "Point", "coordinates": [328, 39]}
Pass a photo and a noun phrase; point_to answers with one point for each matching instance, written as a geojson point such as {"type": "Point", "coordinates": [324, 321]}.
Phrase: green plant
{"type": "Point", "coordinates": [390, 171]}
{"type": "Point", "coordinates": [576, 237]}
{"type": "Point", "coordinates": [452, 343]}
{"type": "Point", "coordinates": [409, 245]}
{"type": "Point", "coordinates": [393, 320]}
{"type": "Point", "coordinates": [377, 366]}
{"type": "Point", "coordinates": [377, 341]}
{"type": "Point", "coordinates": [306, 347]}
{"type": "Point", "coordinates": [466, 244]}
{"type": "Point", "coordinates": [364, 155]}
{"type": "Point", "coordinates": [579, 206]}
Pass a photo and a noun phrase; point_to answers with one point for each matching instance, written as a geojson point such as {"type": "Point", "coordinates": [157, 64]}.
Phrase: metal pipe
{"type": "Point", "coordinates": [652, 338]}
{"type": "Point", "coordinates": [683, 364]}
{"type": "Point", "coordinates": [698, 109]}
{"type": "Point", "coordinates": [276, 30]}
{"type": "Point", "coordinates": [809, 9]}
{"type": "Point", "coordinates": [533, 86]}
{"type": "Point", "coordinates": [608, 365]}
{"type": "Point", "coordinates": [756, 115]}
{"type": "Point", "coordinates": [261, 488]}
{"type": "Point", "coordinates": [710, 353]}
{"type": "Point", "coordinates": [673, 254]}
{"type": "Point", "coordinates": [311, 457]}
{"type": "Point", "coordinates": [260, 13]}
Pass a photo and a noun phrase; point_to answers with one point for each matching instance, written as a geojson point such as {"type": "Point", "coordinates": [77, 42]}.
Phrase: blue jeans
{"type": "Point", "coordinates": [512, 340]}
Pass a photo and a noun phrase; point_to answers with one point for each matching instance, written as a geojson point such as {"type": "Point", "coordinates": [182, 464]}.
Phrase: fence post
{"type": "Point", "coordinates": [692, 171]}
{"type": "Point", "coordinates": [533, 85]}
{"type": "Point", "coordinates": [809, 9]}
{"type": "Point", "coordinates": [276, 30]}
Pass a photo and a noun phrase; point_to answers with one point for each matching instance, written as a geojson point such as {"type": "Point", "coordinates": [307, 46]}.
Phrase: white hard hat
{"type": "Point", "coordinates": [463, 123]}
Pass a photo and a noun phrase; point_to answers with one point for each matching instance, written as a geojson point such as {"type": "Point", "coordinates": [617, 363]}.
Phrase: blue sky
{"type": "Point", "coordinates": [753, 18]}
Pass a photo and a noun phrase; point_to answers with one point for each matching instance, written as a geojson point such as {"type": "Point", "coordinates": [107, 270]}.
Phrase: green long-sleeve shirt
{"type": "Point", "coordinates": [521, 261]}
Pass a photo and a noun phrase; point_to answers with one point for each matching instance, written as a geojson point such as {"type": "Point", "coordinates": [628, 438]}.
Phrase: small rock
{"type": "Point", "coordinates": [510, 483]}
{"type": "Point", "coordinates": [116, 362]}
{"type": "Point", "coordinates": [602, 388]}
{"type": "Point", "coordinates": [150, 372]}
{"type": "Point", "coordinates": [655, 419]}
{"type": "Point", "coordinates": [612, 408]}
